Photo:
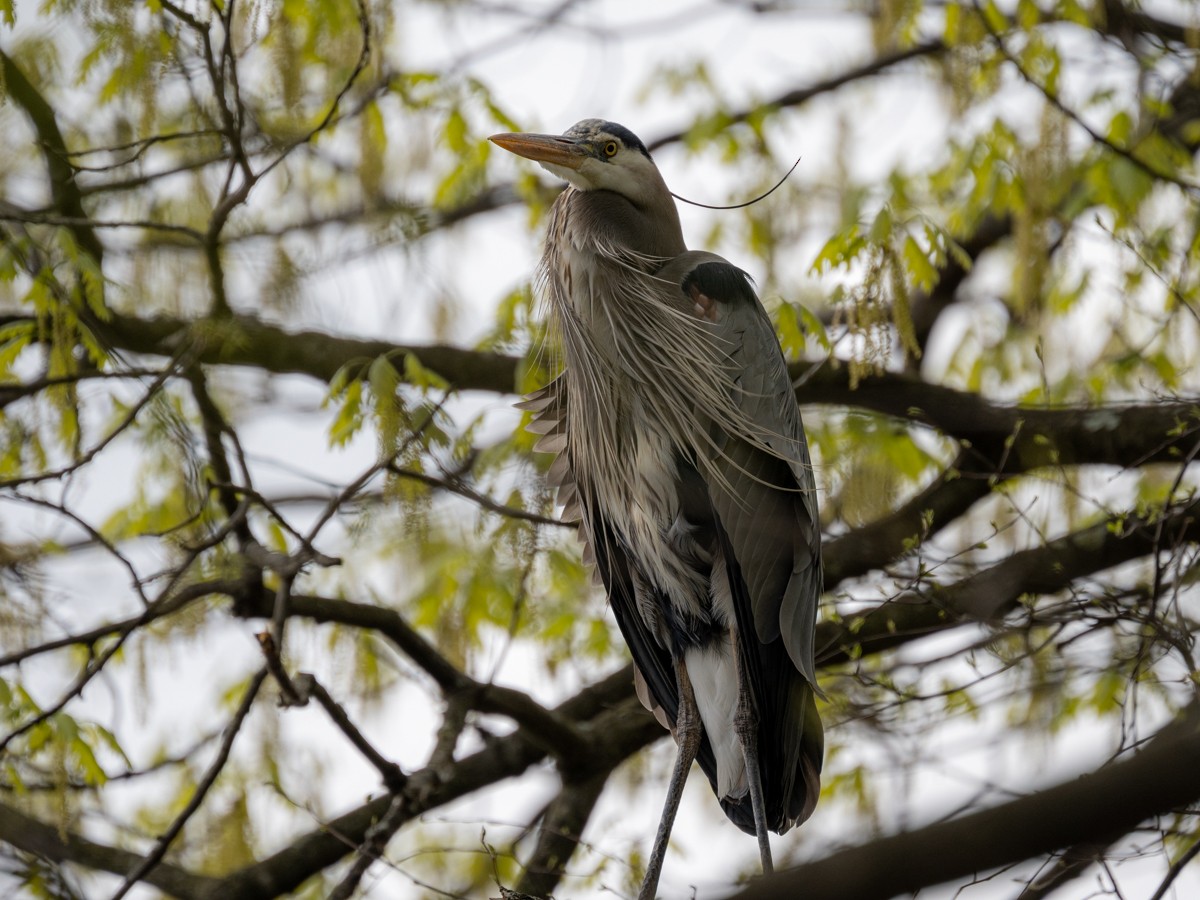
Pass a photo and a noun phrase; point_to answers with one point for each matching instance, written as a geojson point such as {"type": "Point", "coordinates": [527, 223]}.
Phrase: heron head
{"type": "Point", "coordinates": [593, 155]}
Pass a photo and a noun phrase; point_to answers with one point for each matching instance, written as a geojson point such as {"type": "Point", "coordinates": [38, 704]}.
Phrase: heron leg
{"type": "Point", "coordinates": [687, 735]}
{"type": "Point", "coordinates": [746, 724]}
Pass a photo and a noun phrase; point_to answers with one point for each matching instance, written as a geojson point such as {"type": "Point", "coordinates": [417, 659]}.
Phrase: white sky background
{"type": "Point", "coordinates": [597, 63]}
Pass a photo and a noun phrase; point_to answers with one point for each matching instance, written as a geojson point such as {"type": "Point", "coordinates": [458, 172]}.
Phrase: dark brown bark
{"type": "Point", "coordinates": [1093, 809]}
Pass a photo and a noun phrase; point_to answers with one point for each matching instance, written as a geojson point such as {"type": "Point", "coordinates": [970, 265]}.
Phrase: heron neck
{"type": "Point", "coordinates": [610, 219]}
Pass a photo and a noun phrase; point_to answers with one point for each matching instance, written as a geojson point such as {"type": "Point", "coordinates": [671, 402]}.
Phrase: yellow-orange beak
{"type": "Point", "coordinates": [547, 148]}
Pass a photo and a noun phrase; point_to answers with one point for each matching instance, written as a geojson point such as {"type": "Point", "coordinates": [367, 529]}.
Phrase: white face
{"type": "Point", "coordinates": [614, 167]}
{"type": "Point", "coordinates": [566, 174]}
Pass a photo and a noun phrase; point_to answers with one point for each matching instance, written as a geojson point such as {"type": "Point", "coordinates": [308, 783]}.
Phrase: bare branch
{"type": "Point", "coordinates": [372, 847]}
{"type": "Point", "coordinates": [617, 726]}
{"type": "Point", "coordinates": [65, 192]}
{"type": "Point", "coordinates": [126, 421]}
{"type": "Point", "coordinates": [992, 592]}
{"type": "Point", "coordinates": [161, 846]}
{"type": "Point", "coordinates": [1176, 867]}
{"type": "Point", "coordinates": [1119, 19]}
{"type": "Point", "coordinates": [57, 845]}
{"type": "Point", "coordinates": [1005, 439]}
{"type": "Point", "coordinates": [1128, 153]}
{"type": "Point", "coordinates": [1067, 867]}
{"type": "Point", "coordinates": [880, 542]}
{"type": "Point", "coordinates": [170, 602]}
{"type": "Point", "coordinates": [456, 485]}
{"type": "Point", "coordinates": [94, 666]}
{"type": "Point", "coordinates": [1095, 808]}
{"type": "Point", "coordinates": [139, 146]}
{"type": "Point", "coordinates": [801, 96]}
{"type": "Point", "coordinates": [550, 731]}
{"type": "Point", "coordinates": [10, 213]}
{"type": "Point", "coordinates": [11, 393]}
{"type": "Point", "coordinates": [393, 777]}
{"type": "Point", "coordinates": [559, 833]}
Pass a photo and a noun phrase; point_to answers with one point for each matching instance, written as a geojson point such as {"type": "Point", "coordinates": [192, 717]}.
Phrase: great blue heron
{"type": "Point", "coordinates": [682, 454]}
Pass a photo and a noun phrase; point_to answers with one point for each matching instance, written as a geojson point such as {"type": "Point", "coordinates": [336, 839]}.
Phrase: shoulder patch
{"type": "Point", "coordinates": [722, 282]}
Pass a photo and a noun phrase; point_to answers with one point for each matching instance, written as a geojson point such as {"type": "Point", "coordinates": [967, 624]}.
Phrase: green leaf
{"type": "Point", "coordinates": [814, 327]}
{"type": "Point", "coordinates": [839, 251]}
{"type": "Point", "coordinates": [85, 759]}
{"type": "Point", "coordinates": [384, 382]}
{"type": "Point", "coordinates": [952, 23]}
{"type": "Point", "coordinates": [416, 374]}
{"type": "Point", "coordinates": [14, 338]}
{"type": "Point", "coordinates": [1028, 14]}
{"type": "Point", "coordinates": [921, 272]}
{"type": "Point", "coordinates": [882, 226]}
{"type": "Point", "coordinates": [373, 148]}
{"type": "Point", "coordinates": [1120, 128]}
{"type": "Point", "coordinates": [996, 20]}
{"type": "Point", "coordinates": [109, 740]}
{"type": "Point", "coordinates": [349, 418]}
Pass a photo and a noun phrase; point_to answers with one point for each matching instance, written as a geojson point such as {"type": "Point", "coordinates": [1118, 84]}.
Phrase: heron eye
{"type": "Point", "coordinates": [610, 149]}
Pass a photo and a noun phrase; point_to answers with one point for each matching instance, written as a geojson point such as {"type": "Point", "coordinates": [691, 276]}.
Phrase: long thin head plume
{"type": "Point", "coordinates": [743, 205]}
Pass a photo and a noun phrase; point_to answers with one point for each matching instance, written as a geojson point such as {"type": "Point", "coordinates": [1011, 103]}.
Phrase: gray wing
{"type": "Point", "coordinates": [762, 497]}
{"type": "Point", "coordinates": [766, 498]}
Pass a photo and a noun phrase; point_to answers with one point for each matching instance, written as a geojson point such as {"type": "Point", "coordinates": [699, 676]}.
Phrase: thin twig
{"type": "Point", "coordinates": [364, 57]}
{"type": "Point", "coordinates": [456, 485]}
{"type": "Point", "coordinates": [135, 579]}
{"type": "Point", "coordinates": [141, 145]}
{"type": "Point", "coordinates": [125, 422]}
{"type": "Point", "coordinates": [1176, 867]}
{"type": "Point", "coordinates": [371, 848]}
{"type": "Point", "coordinates": [393, 776]}
{"type": "Point", "coordinates": [1054, 100]}
{"type": "Point", "coordinates": [290, 694]}
{"type": "Point", "coordinates": [90, 671]}
{"type": "Point", "coordinates": [384, 464]}
{"type": "Point", "coordinates": [210, 776]}
{"type": "Point", "coordinates": [11, 214]}
{"type": "Point", "coordinates": [10, 393]}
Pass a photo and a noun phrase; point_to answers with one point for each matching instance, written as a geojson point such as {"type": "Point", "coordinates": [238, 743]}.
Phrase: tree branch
{"type": "Point", "coordinates": [152, 859]}
{"type": "Point", "coordinates": [800, 96]}
{"type": "Point", "coordinates": [63, 189]}
{"type": "Point", "coordinates": [1067, 867]}
{"type": "Point", "coordinates": [877, 543]}
{"type": "Point", "coordinates": [615, 731]}
{"type": "Point", "coordinates": [1096, 808]}
{"type": "Point", "coordinates": [1121, 21]}
{"type": "Point", "coordinates": [83, 459]}
{"type": "Point", "coordinates": [625, 727]}
{"type": "Point", "coordinates": [1006, 439]}
{"type": "Point", "coordinates": [555, 734]}
{"type": "Point", "coordinates": [559, 833]}
{"type": "Point", "coordinates": [611, 724]}
{"type": "Point", "coordinates": [59, 846]}
{"type": "Point", "coordinates": [393, 776]}
{"type": "Point", "coordinates": [167, 603]}
{"type": "Point", "coordinates": [992, 592]}
{"type": "Point", "coordinates": [1011, 439]}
